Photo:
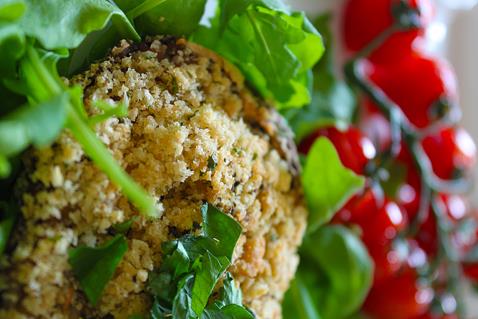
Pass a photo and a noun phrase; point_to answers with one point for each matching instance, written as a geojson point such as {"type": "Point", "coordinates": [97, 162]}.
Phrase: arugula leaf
{"type": "Point", "coordinates": [174, 17]}
{"type": "Point", "coordinates": [193, 266]}
{"type": "Point", "coordinates": [94, 267]}
{"type": "Point", "coordinates": [327, 183]}
{"type": "Point", "coordinates": [338, 269]}
{"type": "Point", "coordinates": [64, 24]}
{"type": "Point", "coordinates": [333, 101]}
{"type": "Point", "coordinates": [272, 47]}
{"type": "Point", "coordinates": [31, 124]}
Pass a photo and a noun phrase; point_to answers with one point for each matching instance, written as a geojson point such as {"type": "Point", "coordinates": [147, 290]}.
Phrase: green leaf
{"type": "Point", "coordinates": [327, 183]}
{"type": "Point", "coordinates": [11, 10]}
{"type": "Point", "coordinates": [32, 124]}
{"type": "Point", "coordinates": [222, 229]}
{"type": "Point", "coordinates": [94, 267]}
{"type": "Point", "coordinates": [173, 17]}
{"type": "Point", "coordinates": [64, 24]}
{"type": "Point", "coordinates": [124, 227]}
{"type": "Point", "coordinates": [333, 101]}
{"type": "Point", "coordinates": [208, 273]}
{"type": "Point", "coordinates": [229, 293]}
{"type": "Point", "coordinates": [273, 48]}
{"type": "Point", "coordinates": [335, 253]}
{"type": "Point", "coordinates": [191, 269]}
{"type": "Point", "coordinates": [228, 312]}
{"type": "Point", "coordinates": [298, 302]}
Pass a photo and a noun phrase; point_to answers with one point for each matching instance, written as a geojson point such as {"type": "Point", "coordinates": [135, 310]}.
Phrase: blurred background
{"type": "Point", "coordinates": [453, 35]}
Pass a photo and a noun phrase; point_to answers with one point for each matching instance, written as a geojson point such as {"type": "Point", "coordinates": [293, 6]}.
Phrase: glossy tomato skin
{"type": "Point", "coordinates": [401, 296]}
{"type": "Point", "coordinates": [380, 221]}
{"type": "Point", "coordinates": [365, 20]}
{"type": "Point", "coordinates": [471, 271]}
{"type": "Point", "coordinates": [355, 150]}
{"type": "Point", "coordinates": [423, 87]}
{"type": "Point", "coordinates": [451, 151]}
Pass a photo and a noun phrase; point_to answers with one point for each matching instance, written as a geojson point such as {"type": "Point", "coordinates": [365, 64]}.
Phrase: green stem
{"type": "Point", "coordinates": [105, 161]}
{"type": "Point", "coordinates": [37, 76]}
{"type": "Point", "coordinates": [143, 8]}
{"type": "Point", "coordinates": [448, 253]}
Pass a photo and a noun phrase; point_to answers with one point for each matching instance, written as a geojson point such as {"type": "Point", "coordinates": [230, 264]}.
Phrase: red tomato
{"type": "Point", "coordinates": [380, 221]}
{"type": "Point", "coordinates": [399, 297]}
{"type": "Point", "coordinates": [416, 84]}
{"type": "Point", "coordinates": [452, 152]}
{"type": "Point", "coordinates": [355, 150]}
{"type": "Point", "coordinates": [471, 271]}
{"type": "Point", "coordinates": [365, 20]}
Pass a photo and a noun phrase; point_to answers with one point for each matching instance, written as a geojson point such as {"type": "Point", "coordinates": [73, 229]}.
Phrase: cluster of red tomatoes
{"type": "Point", "coordinates": [425, 90]}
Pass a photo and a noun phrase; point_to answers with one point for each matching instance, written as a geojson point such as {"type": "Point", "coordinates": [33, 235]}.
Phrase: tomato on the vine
{"type": "Point", "coordinates": [401, 296]}
{"type": "Point", "coordinates": [355, 150]}
{"type": "Point", "coordinates": [380, 221]}
{"type": "Point", "coordinates": [365, 20]}
{"type": "Point", "coordinates": [451, 151]}
{"type": "Point", "coordinates": [423, 87]}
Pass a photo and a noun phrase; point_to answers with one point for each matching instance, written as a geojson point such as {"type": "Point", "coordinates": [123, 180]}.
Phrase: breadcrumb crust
{"type": "Point", "coordinates": [186, 108]}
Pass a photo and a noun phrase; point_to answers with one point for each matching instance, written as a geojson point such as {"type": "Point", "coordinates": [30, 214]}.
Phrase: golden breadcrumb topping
{"type": "Point", "coordinates": [193, 133]}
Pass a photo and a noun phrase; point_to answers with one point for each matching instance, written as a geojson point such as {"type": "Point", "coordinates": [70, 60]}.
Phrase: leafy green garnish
{"type": "Point", "coordinates": [333, 101]}
{"type": "Point", "coordinates": [94, 267]}
{"type": "Point", "coordinates": [51, 106]}
{"type": "Point", "coordinates": [327, 183]}
{"type": "Point", "coordinates": [192, 267]}
{"type": "Point", "coordinates": [273, 47]}
{"type": "Point", "coordinates": [64, 24]}
{"type": "Point", "coordinates": [334, 276]}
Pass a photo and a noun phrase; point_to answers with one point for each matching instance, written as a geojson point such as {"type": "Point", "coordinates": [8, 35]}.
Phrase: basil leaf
{"type": "Point", "coordinates": [340, 258]}
{"type": "Point", "coordinates": [222, 229]}
{"type": "Point", "coordinates": [94, 267]}
{"type": "Point", "coordinates": [274, 49]}
{"type": "Point", "coordinates": [229, 293]}
{"type": "Point", "coordinates": [64, 24]}
{"type": "Point", "coordinates": [228, 312]}
{"type": "Point", "coordinates": [327, 183]}
{"type": "Point", "coordinates": [298, 300]}
{"type": "Point", "coordinates": [192, 267]}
